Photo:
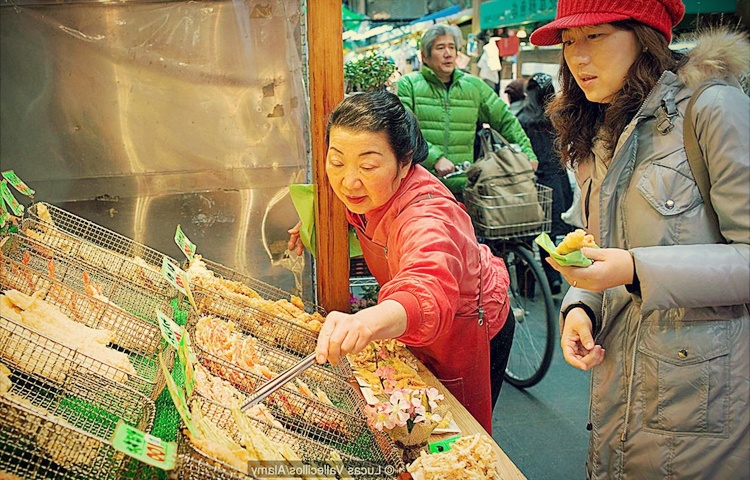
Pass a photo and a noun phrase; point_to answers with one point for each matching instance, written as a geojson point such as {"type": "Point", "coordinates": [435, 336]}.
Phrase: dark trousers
{"type": "Point", "coordinates": [499, 353]}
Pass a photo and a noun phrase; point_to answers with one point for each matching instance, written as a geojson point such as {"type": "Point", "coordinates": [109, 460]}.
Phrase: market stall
{"type": "Point", "coordinates": [126, 349]}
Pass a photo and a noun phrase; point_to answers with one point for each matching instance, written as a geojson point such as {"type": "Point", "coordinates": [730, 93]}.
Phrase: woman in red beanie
{"type": "Point", "coordinates": [662, 314]}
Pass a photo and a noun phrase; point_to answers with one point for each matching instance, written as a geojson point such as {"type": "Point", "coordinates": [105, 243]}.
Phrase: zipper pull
{"type": "Point", "coordinates": [481, 316]}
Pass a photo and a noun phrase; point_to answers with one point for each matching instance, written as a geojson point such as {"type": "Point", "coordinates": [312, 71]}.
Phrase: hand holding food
{"type": "Point", "coordinates": [575, 240]}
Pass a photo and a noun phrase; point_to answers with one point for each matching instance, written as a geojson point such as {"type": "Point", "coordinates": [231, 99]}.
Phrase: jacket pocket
{"type": "Point", "coordinates": [456, 387]}
{"type": "Point", "coordinates": [668, 185]}
{"type": "Point", "coordinates": [684, 376]}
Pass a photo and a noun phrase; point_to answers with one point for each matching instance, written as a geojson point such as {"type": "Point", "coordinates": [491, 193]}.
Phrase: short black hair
{"type": "Point", "coordinates": [382, 111]}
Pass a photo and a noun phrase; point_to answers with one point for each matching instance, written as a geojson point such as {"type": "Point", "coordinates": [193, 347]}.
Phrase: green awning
{"type": "Point", "coordinates": [513, 13]}
{"type": "Point", "coordinates": [351, 18]}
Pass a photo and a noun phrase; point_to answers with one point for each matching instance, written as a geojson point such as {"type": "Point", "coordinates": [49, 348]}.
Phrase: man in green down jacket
{"type": "Point", "coordinates": [449, 103]}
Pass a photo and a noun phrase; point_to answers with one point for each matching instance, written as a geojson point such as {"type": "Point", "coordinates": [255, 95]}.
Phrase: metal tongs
{"type": "Point", "coordinates": [280, 381]}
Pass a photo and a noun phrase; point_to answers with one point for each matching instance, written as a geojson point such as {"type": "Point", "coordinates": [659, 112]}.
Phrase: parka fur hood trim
{"type": "Point", "coordinates": [719, 53]}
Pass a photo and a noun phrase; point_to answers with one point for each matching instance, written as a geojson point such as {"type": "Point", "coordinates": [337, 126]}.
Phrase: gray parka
{"type": "Point", "coordinates": [671, 399]}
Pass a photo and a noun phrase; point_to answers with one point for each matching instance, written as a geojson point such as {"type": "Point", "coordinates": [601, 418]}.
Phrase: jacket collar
{"type": "Point", "coordinates": [431, 77]}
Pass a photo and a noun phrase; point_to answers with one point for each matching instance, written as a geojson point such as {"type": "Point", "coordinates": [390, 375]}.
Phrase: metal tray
{"type": "Point", "coordinates": [62, 431]}
{"type": "Point", "coordinates": [196, 464]}
{"type": "Point", "coordinates": [140, 339]}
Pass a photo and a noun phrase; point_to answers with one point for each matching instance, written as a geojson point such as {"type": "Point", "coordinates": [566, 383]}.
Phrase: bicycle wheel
{"type": "Point", "coordinates": [534, 309]}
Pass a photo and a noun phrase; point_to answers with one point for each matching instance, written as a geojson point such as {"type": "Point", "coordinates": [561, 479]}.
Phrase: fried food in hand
{"type": "Point", "coordinates": [575, 240]}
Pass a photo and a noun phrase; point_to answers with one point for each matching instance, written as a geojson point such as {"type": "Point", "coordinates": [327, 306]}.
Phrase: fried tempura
{"type": "Point", "coordinates": [575, 240]}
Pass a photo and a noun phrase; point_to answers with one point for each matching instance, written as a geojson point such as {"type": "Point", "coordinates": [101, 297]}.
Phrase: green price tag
{"type": "Point", "coordinates": [187, 247]}
{"type": "Point", "coordinates": [144, 447]}
{"type": "Point", "coordinates": [174, 274]}
{"type": "Point", "coordinates": [13, 204]}
{"type": "Point", "coordinates": [17, 183]}
{"type": "Point", "coordinates": [187, 357]}
{"type": "Point", "coordinates": [178, 397]}
{"type": "Point", "coordinates": [171, 332]}
{"type": "Point", "coordinates": [443, 445]}
{"type": "Point", "coordinates": [4, 215]}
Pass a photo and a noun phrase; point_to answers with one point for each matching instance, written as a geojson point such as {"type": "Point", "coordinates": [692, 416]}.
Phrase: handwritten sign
{"type": "Point", "coordinates": [4, 215]}
{"type": "Point", "coordinates": [187, 247]}
{"type": "Point", "coordinates": [144, 447]}
{"type": "Point", "coordinates": [178, 397]}
{"type": "Point", "coordinates": [171, 332]}
{"type": "Point", "coordinates": [17, 183]}
{"type": "Point", "coordinates": [179, 278]}
{"type": "Point", "coordinates": [10, 200]}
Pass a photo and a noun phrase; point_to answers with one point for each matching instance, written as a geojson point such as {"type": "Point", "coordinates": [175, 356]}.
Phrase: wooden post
{"type": "Point", "coordinates": [326, 50]}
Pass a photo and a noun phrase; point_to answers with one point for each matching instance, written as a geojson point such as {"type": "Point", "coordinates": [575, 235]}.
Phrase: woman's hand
{"type": "Point", "coordinates": [611, 267]}
{"type": "Point", "coordinates": [295, 242]}
{"type": "Point", "coordinates": [343, 333]}
{"type": "Point", "coordinates": [577, 341]}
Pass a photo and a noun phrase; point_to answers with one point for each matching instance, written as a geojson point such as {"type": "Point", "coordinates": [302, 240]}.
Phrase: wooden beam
{"type": "Point", "coordinates": [326, 69]}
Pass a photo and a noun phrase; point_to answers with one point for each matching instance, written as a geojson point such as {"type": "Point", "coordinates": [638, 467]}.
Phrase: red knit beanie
{"type": "Point", "coordinates": [662, 15]}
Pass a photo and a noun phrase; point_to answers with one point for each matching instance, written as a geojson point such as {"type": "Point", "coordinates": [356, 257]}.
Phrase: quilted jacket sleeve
{"type": "Point", "coordinates": [494, 111]}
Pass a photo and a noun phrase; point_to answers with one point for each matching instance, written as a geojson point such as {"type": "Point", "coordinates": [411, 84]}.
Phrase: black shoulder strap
{"type": "Point", "coordinates": [698, 164]}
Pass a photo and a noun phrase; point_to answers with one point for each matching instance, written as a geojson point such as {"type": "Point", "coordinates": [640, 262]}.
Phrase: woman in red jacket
{"type": "Point", "coordinates": [441, 292]}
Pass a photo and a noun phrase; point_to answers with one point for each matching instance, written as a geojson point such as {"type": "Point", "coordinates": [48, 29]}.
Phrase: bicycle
{"type": "Point", "coordinates": [529, 293]}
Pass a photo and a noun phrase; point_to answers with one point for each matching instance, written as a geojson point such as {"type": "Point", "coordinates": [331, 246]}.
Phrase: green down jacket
{"type": "Point", "coordinates": [448, 117]}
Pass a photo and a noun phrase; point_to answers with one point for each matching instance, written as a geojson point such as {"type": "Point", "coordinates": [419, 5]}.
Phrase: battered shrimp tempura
{"type": "Point", "coordinates": [575, 241]}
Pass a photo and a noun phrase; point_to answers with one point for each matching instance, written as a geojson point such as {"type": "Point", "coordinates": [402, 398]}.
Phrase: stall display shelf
{"type": "Point", "coordinates": [61, 431]}
{"type": "Point", "coordinates": [199, 465]}
{"type": "Point", "coordinates": [138, 339]}
{"type": "Point", "coordinates": [106, 251]}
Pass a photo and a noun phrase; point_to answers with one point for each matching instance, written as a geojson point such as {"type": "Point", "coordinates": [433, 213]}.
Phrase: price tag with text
{"type": "Point", "coordinates": [174, 274]}
{"type": "Point", "coordinates": [187, 247]}
{"type": "Point", "coordinates": [187, 357]}
{"type": "Point", "coordinates": [17, 183]}
{"type": "Point", "coordinates": [171, 332]}
{"type": "Point", "coordinates": [178, 397]}
{"type": "Point", "coordinates": [4, 215]}
{"type": "Point", "coordinates": [10, 200]}
{"type": "Point", "coordinates": [144, 447]}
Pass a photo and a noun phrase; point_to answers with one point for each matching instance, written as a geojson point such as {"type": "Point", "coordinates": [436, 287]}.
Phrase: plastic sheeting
{"type": "Point", "coordinates": [143, 115]}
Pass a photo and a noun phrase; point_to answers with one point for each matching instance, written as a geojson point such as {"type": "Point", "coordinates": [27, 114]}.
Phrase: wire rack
{"type": "Point", "coordinates": [139, 339]}
{"type": "Point", "coordinates": [87, 235]}
{"type": "Point", "coordinates": [269, 323]}
{"type": "Point", "coordinates": [340, 425]}
{"type": "Point", "coordinates": [266, 327]}
{"type": "Point", "coordinates": [481, 207]}
{"type": "Point", "coordinates": [139, 299]}
{"type": "Point", "coordinates": [109, 251]}
{"type": "Point", "coordinates": [196, 464]}
{"type": "Point", "coordinates": [53, 242]}
{"type": "Point", "coordinates": [62, 431]}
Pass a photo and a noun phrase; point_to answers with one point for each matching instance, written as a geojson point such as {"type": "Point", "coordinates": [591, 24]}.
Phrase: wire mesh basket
{"type": "Point", "coordinates": [139, 298]}
{"type": "Point", "coordinates": [265, 326]}
{"type": "Point", "coordinates": [133, 341]}
{"type": "Point", "coordinates": [109, 251]}
{"type": "Point", "coordinates": [484, 208]}
{"type": "Point", "coordinates": [276, 317]}
{"type": "Point", "coordinates": [62, 431]}
{"type": "Point", "coordinates": [317, 457]}
{"type": "Point", "coordinates": [339, 423]}
{"type": "Point", "coordinates": [135, 270]}
{"type": "Point", "coordinates": [86, 239]}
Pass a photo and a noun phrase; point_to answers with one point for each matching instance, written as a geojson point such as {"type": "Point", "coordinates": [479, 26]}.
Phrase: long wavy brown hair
{"type": "Point", "coordinates": [578, 121]}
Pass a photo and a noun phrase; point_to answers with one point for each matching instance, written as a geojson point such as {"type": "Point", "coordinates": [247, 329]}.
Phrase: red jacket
{"type": "Point", "coordinates": [422, 250]}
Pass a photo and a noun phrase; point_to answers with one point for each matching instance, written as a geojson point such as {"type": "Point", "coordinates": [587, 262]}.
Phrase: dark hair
{"type": "Point", "coordinates": [382, 111]}
{"type": "Point", "coordinates": [578, 121]}
{"type": "Point", "coordinates": [539, 92]}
